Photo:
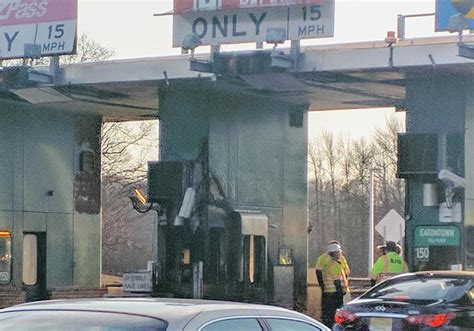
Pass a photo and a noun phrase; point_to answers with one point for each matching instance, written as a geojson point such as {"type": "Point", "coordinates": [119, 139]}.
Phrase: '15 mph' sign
{"type": "Point", "coordinates": [50, 25]}
{"type": "Point", "coordinates": [250, 23]}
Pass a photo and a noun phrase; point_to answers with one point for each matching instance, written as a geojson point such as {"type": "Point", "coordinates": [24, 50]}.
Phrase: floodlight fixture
{"type": "Point", "coordinates": [275, 36]}
{"type": "Point", "coordinates": [190, 42]}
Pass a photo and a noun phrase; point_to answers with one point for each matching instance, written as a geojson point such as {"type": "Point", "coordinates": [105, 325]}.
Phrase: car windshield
{"type": "Point", "coordinates": [77, 320]}
{"type": "Point", "coordinates": [423, 290]}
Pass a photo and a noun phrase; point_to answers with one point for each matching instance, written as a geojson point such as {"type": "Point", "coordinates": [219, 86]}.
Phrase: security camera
{"type": "Point", "coordinates": [457, 23]}
{"type": "Point", "coordinates": [275, 36]}
{"type": "Point", "coordinates": [451, 179]}
{"type": "Point", "coordinates": [190, 42]}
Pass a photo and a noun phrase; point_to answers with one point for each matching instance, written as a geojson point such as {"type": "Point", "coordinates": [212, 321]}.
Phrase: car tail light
{"type": "Point", "coordinates": [432, 320]}
{"type": "Point", "coordinates": [343, 316]}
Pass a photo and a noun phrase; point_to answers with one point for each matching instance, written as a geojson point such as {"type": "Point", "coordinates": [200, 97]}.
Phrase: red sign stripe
{"type": "Point", "coordinates": [181, 6]}
{"type": "Point", "coordinates": [18, 12]}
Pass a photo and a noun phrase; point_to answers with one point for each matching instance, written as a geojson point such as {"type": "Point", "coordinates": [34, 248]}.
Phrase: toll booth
{"type": "Point", "coordinates": [49, 201]}
{"type": "Point", "coordinates": [231, 186]}
{"type": "Point", "coordinates": [434, 157]}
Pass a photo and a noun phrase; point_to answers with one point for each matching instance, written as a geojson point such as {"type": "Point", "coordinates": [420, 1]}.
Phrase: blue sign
{"type": "Point", "coordinates": [452, 14]}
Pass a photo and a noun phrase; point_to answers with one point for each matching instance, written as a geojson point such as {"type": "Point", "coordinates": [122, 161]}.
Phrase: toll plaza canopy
{"type": "Point", "coordinates": [182, 6]}
{"type": "Point", "coordinates": [329, 77]}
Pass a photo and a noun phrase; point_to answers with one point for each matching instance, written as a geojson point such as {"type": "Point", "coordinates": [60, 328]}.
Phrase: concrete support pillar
{"type": "Point", "coordinates": [469, 173]}
{"type": "Point", "coordinates": [295, 208]}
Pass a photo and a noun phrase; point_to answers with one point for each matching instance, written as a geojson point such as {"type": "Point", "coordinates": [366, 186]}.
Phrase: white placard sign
{"type": "Point", "coordinates": [137, 282]}
{"type": "Point", "coordinates": [49, 25]}
{"type": "Point", "coordinates": [251, 24]}
{"type": "Point", "coordinates": [391, 227]}
{"type": "Point", "coordinates": [448, 215]}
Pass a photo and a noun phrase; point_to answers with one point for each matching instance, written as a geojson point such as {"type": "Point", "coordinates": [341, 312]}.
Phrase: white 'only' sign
{"type": "Point", "coordinates": [252, 24]}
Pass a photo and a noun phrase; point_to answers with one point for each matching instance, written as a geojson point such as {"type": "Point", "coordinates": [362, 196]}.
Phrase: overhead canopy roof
{"type": "Point", "coordinates": [345, 76]}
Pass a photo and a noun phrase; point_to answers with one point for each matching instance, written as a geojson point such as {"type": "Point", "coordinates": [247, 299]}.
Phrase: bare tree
{"type": "Point", "coordinates": [87, 50]}
{"type": "Point", "coordinates": [315, 185]}
{"type": "Point", "coordinates": [392, 190]}
{"type": "Point", "coordinates": [363, 161]}
{"type": "Point", "coordinates": [128, 237]}
{"type": "Point", "coordinates": [331, 155]}
{"type": "Point", "coordinates": [123, 148]}
{"type": "Point", "coordinates": [339, 185]}
{"type": "Point", "coordinates": [345, 162]}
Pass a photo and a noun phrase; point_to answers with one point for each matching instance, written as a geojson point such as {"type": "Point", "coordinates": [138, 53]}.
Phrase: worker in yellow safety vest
{"type": "Point", "coordinates": [324, 259]}
{"type": "Point", "coordinates": [335, 284]}
{"type": "Point", "coordinates": [388, 265]}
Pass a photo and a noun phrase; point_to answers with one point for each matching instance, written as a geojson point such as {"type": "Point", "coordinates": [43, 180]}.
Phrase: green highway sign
{"type": "Point", "coordinates": [437, 236]}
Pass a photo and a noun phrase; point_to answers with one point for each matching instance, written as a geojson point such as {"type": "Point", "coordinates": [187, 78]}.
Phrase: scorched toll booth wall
{"type": "Point", "coordinates": [243, 155]}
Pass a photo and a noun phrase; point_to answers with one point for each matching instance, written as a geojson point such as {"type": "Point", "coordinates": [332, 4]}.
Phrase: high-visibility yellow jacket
{"type": "Point", "coordinates": [332, 272]}
{"type": "Point", "coordinates": [387, 266]}
{"type": "Point", "coordinates": [324, 259]}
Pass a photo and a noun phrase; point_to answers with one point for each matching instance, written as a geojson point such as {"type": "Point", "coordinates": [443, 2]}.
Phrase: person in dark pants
{"type": "Point", "coordinates": [334, 285]}
{"type": "Point", "coordinates": [321, 264]}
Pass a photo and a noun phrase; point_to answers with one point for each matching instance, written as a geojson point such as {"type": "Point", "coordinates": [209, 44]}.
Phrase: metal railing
{"type": "Point", "coordinates": [401, 23]}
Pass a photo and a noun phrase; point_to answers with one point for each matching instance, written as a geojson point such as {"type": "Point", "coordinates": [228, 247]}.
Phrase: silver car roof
{"type": "Point", "coordinates": [177, 312]}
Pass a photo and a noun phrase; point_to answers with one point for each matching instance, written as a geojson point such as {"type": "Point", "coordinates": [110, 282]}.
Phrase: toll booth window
{"type": "Point", "coordinates": [5, 257]}
{"type": "Point", "coordinates": [254, 259]}
{"type": "Point", "coordinates": [186, 256]}
{"type": "Point", "coordinates": [30, 259]}
{"type": "Point", "coordinates": [87, 162]}
{"type": "Point", "coordinates": [217, 255]}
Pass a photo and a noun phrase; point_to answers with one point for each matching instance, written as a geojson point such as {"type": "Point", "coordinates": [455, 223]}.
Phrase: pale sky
{"type": "Point", "coordinates": [129, 27]}
{"type": "Point", "coordinates": [358, 123]}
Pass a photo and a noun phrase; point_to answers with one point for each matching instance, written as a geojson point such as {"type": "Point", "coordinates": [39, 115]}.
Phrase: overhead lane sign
{"type": "Point", "coordinates": [243, 25]}
{"type": "Point", "coordinates": [454, 14]}
{"type": "Point", "coordinates": [45, 27]}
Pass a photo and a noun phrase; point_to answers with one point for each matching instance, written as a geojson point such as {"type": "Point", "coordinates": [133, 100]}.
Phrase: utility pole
{"type": "Point", "coordinates": [371, 221]}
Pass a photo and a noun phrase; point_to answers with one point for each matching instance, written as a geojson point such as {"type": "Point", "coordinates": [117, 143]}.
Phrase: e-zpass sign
{"type": "Point", "coordinates": [252, 24]}
{"type": "Point", "coordinates": [49, 25]}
